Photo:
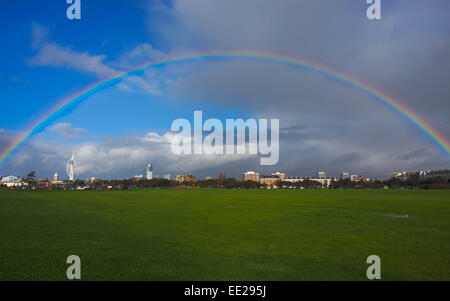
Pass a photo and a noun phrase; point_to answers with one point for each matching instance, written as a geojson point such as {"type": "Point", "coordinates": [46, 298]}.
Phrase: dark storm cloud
{"type": "Point", "coordinates": [405, 55]}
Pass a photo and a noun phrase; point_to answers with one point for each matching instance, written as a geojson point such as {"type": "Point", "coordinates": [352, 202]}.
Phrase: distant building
{"type": "Point", "coordinates": [321, 175]}
{"type": "Point", "coordinates": [444, 173]}
{"type": "Point", "coordinates": [273, 180]}
{"type": "Point", "coordinates": [359, 179]}
{"type": "Point", "coordinates": [43, 184]}
{"type": "Point", "coordinates": [401, 175]}
{"type": "Point", "coordinates": [280, 175]}
{"type": "Point", "coordinates": [423, 174]}
{"type": "Point", "coordinates": [354, 178]}
{"type": "Point", "coordinates": [185, 178]}
{"type": "Point", "coordinates": [138, 177]}
{"type": "Point", "coordinates": [12, 181]}
{"type": "Point", "coordinates": [270, 181]}
{"type": "Point", "coordinates": [345, 176]}
{"type": "Point", "coordinates": [70, 167]}
{"type": "Point", "coordinates": [208, 178]}
{"type": "Point", "coordinates": [293, 180]}
{"type": "Point", "coordinates": [56, 180]}
{"type": "Point", "coordinates": [324, 181]}
{"type": "Point", "coordinates": [250, 176]}
{"type": "Point", "coordinates": [149, 174]}
{"type": "Point", "coordinates": [167, 177]}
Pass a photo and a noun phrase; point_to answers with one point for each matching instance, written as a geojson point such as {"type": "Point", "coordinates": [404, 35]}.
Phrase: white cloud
{"type": "Point", "coordinates": [54, 55]}
{"type": "Point", "coordinates": [150, 81]}
{"type": "Point", "coordinates": [67, 131]}
{"type": "Point", "coordinates": [141, 54]}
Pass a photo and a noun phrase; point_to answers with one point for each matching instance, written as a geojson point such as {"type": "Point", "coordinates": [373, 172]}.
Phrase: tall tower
{"type": "Point", "coordinates": [55, 177]}
{"type": "Point", "coordinates": [70, 166]}
{"type": "Point", "coordinates": [149, 172]}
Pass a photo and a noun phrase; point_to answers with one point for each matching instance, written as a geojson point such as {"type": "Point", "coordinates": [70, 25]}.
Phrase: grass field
{"type": "Point", "coordinates": [225, 234]}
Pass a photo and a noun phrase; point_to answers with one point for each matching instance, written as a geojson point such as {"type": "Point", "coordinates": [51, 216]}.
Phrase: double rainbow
{"type": "Point", "coordinates": [395, 105]}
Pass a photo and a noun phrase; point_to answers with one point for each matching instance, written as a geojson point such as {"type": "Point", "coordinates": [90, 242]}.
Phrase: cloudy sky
{"type": "Point", "coordinates": [325, 125]}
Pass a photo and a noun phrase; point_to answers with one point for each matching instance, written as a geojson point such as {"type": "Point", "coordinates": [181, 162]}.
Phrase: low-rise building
{"type": "Point", "coordinates": [443, 173]}
{"type": "Point", "coordinates": [185, 178]}
{"type": "Point", "coordinates": [270, 181]}
{"type": "Point", "coordinates": [250, 176]}
{"type": "Point", "coordinates": [324, 181]}
{"type": "Point", "coordinates": [280, 175]}
{"type": "Point", "coordinates": [12, 181]}
{"type": "Point", "coordinates": [321, 175]}
{"type": "Point", "coordinates": [354, 178]}
{"type": "Point", "coordinates": [294, 179]}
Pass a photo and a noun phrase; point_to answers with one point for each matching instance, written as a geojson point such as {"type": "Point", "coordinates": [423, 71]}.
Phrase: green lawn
{"type": "Point", "coordinates": [225, 234]}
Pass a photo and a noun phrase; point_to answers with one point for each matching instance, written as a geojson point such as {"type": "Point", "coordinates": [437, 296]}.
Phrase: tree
{"type": "Point", "coordinates": [79, 183]}
{"type": "Point", "coordinates": [284, 184]}
{"type": "Point", "coordinates": [230, 183]}
{"type": "Point", "coordinates": [211, 183]}
{"type": "Point", "coordinates": [250, 184]}
{"type": "Point", "coordinates": [31, 175]}
{"type": "Point", "coordinates": [31, 178]}
{"type": "Point", "coordinates": [221, 179]}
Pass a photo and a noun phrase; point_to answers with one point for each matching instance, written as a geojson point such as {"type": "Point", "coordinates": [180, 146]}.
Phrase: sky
{"type": "Point", "coordinates": [324, 124]}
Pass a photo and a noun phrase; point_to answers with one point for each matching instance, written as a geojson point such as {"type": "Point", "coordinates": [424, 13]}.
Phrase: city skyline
{"type": "Point", "coordinates": [437, 179]}
{"type": "Point", "coordinates": [249, 175]}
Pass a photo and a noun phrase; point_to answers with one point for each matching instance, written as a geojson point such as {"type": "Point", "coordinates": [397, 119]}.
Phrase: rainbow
{"type": "Point", "coordinates": [395, 105]}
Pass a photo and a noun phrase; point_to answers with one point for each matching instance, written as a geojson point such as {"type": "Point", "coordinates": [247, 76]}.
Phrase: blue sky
{"type": "Point", "coordinates": [325, 125]}
{"type": "Point", "coordinates": [37, 88]}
